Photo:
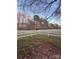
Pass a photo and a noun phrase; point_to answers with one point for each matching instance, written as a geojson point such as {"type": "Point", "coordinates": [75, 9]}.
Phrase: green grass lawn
{"type": "Point", "coordinates": [35, 41]}
{"type": "Point", "coordinates": [44, 38]}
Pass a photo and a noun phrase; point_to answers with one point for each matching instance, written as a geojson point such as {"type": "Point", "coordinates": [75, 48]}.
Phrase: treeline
{"type": "Point", "coordinates": [37, 24]}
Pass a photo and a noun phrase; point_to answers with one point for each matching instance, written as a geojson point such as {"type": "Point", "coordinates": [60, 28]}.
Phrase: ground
{"type": "Point", "coordinates": [39, 47]}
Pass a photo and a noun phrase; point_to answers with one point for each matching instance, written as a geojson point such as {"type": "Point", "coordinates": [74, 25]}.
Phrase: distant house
{"type": "Point", "coordinates": [40, 23]}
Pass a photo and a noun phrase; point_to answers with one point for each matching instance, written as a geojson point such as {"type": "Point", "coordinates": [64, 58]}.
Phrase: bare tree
{"type": "Point", "coordinates": [40, 6]}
